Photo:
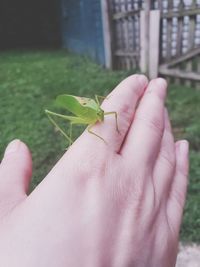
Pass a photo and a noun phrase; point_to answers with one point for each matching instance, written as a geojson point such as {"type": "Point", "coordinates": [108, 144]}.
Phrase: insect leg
{"type": "Point", "coordinates": [89, 130]}
{"type": "Point", "coordinates": [97, 97]}
{"type": "Point", "coordinates": [116, 119]}
{"type": "Point", "coordinates": [59, 128]}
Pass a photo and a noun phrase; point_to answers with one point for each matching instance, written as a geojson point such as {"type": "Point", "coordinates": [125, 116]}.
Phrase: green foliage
{"type": "Point", "coordinates": [29, 83]}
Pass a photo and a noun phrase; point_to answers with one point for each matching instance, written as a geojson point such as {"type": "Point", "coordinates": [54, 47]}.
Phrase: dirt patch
{"type": "Point", "coordinates": [188, 256]}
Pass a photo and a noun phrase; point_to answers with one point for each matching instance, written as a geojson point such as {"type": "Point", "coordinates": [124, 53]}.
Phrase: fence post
{"type": "Point", "coordinates": [107, 33]}
{"type": "Point", "coordinates": [154, 43]}
{"type": "Point", "coordinates": [149, 41]}
{"type": "Point", "coordinates": [144, 37]}
{"type": "Point", "coordinates": [143, 44]}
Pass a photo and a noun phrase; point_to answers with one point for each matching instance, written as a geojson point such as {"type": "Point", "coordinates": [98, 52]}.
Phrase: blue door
{"type": "Point", "coordinates": [82, 28]}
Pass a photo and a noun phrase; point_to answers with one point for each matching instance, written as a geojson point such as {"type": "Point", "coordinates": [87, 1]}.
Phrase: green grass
{"type": "Point", "coordinates": [30, 81]}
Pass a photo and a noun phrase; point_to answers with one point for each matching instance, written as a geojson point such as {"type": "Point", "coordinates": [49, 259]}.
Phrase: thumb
{"type": "Point", "coordinates": [15, 173]}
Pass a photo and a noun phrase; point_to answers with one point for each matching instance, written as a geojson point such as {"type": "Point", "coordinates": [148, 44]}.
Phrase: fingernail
{"type": "Point", "coordinates": [159, 86]}
{"type": "Point", "coordinates": [161, 83]}
{"type": "Point", "coordinates": [184, 147]}
{"type": "Point", "coordinates": [142, 79]}
{"type": "Point", "coordinates": [12, 147]}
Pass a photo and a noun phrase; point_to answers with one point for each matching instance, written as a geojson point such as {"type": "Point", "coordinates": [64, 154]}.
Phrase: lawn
{"type": "Point", "coordinates": [29, 82]}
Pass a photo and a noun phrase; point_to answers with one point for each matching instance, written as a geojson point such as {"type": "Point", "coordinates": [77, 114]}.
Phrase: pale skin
{"type": "Point", "coordinates": [114, 205]}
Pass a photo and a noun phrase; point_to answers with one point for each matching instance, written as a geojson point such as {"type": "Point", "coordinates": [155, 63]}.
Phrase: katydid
{"type": "Point", "coordinates": [86, 110]}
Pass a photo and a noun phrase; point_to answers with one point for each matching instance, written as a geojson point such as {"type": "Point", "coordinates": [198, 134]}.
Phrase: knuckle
{"type": "Point", "coordinates": [129, 192]}
{"type": "Point", "coordinates": [168, 158]}
{"type": "Point", "coordinates": [183, 170]}
{"type": "Point", "coordinates": [126, 112]}
{"type": "Point", "coordinates": [136, 192]}
{"type": "Point", "coordinates": [153, 122]}
{"type": "Point", "coordinates": [97, 170]}
{"type": "Point", "coordinates": [178, 197]}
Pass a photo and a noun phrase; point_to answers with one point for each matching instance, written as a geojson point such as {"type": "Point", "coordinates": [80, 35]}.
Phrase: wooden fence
{"type": "Point", "coordinates": [155, 36]}
{"type": "Point", "coordinates": [122, 32]}
{"type": "Point", "coordinates": [180, 41]}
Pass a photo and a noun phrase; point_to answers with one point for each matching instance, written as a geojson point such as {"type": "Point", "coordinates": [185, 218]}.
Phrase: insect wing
{"type": "Point", "coordinates": [80, 106]}
{"type": "Point", "coordinates": [89, 109]}
{"type": "Point", "coordinates": [70, 103]}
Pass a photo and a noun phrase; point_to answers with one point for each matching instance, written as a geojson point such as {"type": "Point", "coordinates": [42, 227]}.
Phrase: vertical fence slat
{"type": "Point", "coordinates": [143, 44]}
{"type": "Point", "coordinates": [106, 19]}
{"type": "Point", "coordinates": [179, 37]}
{"type": "Point", "coordinates": [188, 68]}
{"type": "Point", "coordinates": [198, 71]}
{"type": "Point", "coordinates": [154, 43]}
{"type": "Point", "coordinates": [147, 19]}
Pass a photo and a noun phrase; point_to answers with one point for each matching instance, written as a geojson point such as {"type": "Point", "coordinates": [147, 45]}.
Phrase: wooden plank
{"type": "Point", "coordinates": [137, 38]}
{"type": "Point", "coordinates": [131, 24]}
{"type": "Point", "coordinates": [198, 71]}
{"type": "Point", "coordinates": [116, 6]}
{"type": "Point", "coordinates": [192, 28]}
{"type": "Point", "coordinates": [198, 64]}
{"type": "Point", "coordinates": [179, 37]}
{"type": "Point", "coordinates": [107, 33]}
{"type": "Point", "coordinates": [179, 74]}
{"type": "Point", "coordinates": [177, 81]}
{"type": "Point", "coordinates": [169, 38]}
{"type": "Point", "coordinates": [126, 36]}
{"type": "Point", "coordinates": [131, 39]}
{"type": "Point", "coordinates": [170, 5]}
{"type": "Point", "coordinates": [143, 44]}
{"type": "Point", "coordinates": [160, 5]}
{"type": "Point", "coordinates": [147, 9]}
{"type": "Point", "coordinates": [120, 36]}
{"type": "Point", "coordinates": [184, 57]}
{"type": "Point", "coordinates": [112, 5]}
{"type": "Point", "coordinates": [125, 5]}
{"type": "Point", "coordinates": [154, 43]}
{"type": "Point", "coordinates": [169, 31]}
{"type": "Point", "coordinates": [181, 13]}
{"type": "Point", "coordinates": [122, 53]}
{"type": "Point", "coordinates": [188, 69]}
{"type": "Point", "coordinates": [125, 14]}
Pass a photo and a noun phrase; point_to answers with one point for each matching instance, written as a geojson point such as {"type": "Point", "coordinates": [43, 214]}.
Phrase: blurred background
{"type": "Point", "coordinates": [29, 24]}
{"type": "Point", "coordinates": [86, 47]}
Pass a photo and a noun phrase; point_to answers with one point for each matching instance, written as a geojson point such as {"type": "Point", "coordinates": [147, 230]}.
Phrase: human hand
{"type": "Point", "coordinates": [114, 205]}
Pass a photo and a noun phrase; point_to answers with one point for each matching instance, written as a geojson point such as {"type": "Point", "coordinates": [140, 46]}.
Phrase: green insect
{"type": "Point", "coordinates": [86, 110]}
